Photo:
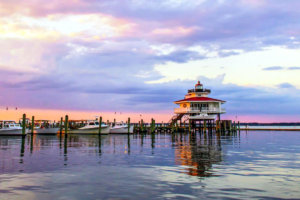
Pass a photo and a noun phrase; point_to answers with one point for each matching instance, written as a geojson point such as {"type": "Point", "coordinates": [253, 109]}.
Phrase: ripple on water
{"type": "Point", "coordinates": [253, 165]}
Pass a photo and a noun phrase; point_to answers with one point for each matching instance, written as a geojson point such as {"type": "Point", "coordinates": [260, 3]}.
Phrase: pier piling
{"type": "Point", "coordinates": [24, 125]}
{"type": "Point", "coordinates": [128, 121]}
{"type": "Point", "coordinates": [100, 125]}
{"type": "Point", "coordinates": [66, 124]}
{"type": "Point", "coordinates": [32, 125]}
{"type": "Point", "coordinates": [61, 126]}
{"type": "Point", "coordinates": [142, 125]}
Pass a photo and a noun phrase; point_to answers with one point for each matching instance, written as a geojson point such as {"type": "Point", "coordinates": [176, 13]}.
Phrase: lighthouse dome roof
{"type": "Point", "coordinates": [198, 84]}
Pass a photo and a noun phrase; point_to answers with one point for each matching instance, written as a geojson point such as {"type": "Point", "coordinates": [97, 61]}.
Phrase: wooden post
{"type": "Point", "coordinates": [32, 124]}
{"type": "Point", "coordinates": [234, 126]}
{"type": "Point", "coordinates": [24, 125]}
{"type": "Point", "coordinates": [152, 125]}
{"type": "Point", "coordinates": [61, 127]}
{"type": "Point", "coordinates": [189, 125]}
{"type": "Point", "coordinates": [100, 125]}
{"type": "Point", "coordinates": [128, 125]}
{"type": "Point", "coordinates": [239, 126]}
{"type": "Point", "coordinates": [204, 126]}
{"type": "Point", "coordinates": [142, 125]}
{"type": "Point", "coordinates": [31, 144]}
{"type": "Point", "coordinates": [66, 124]}
{"type": "Point", "coordinates": [22, 147]}
{"type": "Point", "coordinates": [114, 122]}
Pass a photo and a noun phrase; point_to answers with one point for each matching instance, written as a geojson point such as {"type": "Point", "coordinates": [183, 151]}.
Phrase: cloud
{"type": "Point", "coordinates": [293, 68]}
{"type": "Point", "coordinates": [89, 54]}
{"type": "Point", "coordinates": [275, 68]}
{"type": "Point", "coordinates": [285, 86]}
{"type": "Point", "coordinates": [55, 91]}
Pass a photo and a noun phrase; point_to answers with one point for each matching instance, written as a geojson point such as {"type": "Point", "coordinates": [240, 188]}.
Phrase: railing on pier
{"type": "Point", "coordinates": [197, 110]}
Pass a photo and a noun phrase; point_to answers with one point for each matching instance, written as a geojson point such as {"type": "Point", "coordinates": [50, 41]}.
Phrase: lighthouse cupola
{"type": "Point", "coordinates": [198, 86]}
{"type": "Point", "coordinates": [199, 91]}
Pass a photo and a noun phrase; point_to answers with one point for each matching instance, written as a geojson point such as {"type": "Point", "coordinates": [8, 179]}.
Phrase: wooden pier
{"type": "Point", "coordinates": [223, 127]}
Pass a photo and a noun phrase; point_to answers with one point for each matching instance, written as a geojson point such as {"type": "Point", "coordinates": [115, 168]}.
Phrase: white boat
{"type": "Point", "coordinates": [121, 128]}
{"type": "Point", "coordinates": [46, 127]}
{"type": "Point", "coordinates": [203, 116]}
{"type": "Point", "coordinates": [10, 128]}
{"type": "Point", "coordinates": [91, 127]}
{"type": "Point", "coordinates": [46, 131]}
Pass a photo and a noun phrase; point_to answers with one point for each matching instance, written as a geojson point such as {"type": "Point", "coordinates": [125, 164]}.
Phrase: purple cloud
{"type": "Point", "coordinates": [110, 73]}
{"type": "Point", "coordinates": [274, 68]}
{"type": "Point", "coordinates": [293, 68]}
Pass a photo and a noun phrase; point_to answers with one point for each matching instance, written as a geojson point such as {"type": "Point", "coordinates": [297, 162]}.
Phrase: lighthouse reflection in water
{"type": "Point", "coordinates": [180, 165]}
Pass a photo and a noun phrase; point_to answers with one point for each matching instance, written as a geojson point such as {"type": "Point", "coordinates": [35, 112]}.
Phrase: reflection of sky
{"type": "Point", "coordinates": [253, 165]}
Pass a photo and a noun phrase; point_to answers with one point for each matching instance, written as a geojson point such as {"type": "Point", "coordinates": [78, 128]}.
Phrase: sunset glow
{"type": "Point", "coordinates": [86, 58]}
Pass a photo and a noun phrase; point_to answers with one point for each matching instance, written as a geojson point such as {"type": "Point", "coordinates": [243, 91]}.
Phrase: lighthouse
{"type": "Point", "coordinates": [197, 106]}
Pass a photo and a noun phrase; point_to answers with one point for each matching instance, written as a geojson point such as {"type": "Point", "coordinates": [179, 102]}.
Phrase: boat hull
{"type": "Point", "coordinates": [46, 131]}
{"type": "Point", "coordinates": [203, 117]}
{"type": "Point", "coordinates": [121, 130]}
{"type": "Point", "coordinates": [90, 131]}
{"type": "Point", "coordinates": [12, 132]}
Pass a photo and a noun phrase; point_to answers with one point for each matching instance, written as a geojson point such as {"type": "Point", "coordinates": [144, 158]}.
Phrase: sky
{"type": "Point", "coordinates": [137, 56]}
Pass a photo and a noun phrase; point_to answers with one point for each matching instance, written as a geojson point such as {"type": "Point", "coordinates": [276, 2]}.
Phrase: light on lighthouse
{"type": "Point", "coordinates": [198, 86]}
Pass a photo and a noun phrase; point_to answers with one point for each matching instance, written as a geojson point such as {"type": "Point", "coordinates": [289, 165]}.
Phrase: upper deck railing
{"type": "Point", "coordinates": [199, 90]}
{"type": "Point", "coordinates": [197, 110]}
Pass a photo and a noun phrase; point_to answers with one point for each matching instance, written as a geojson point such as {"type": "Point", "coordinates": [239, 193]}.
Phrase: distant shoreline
{"type": "Point", "coordinates": [270, 124]}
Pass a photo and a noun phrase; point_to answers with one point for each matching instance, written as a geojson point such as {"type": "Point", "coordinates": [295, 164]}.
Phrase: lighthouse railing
{"type": "Point", "coordinates": [199, 110]}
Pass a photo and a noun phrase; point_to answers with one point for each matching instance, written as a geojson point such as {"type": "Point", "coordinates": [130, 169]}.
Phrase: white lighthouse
{"type": "Point", "coordinates": [196, 105]}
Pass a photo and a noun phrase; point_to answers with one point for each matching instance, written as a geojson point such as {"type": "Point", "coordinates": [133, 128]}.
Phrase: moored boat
{"type": "Point", "coordinates": [10, 128]}
{"type": "Point", "coordinates": [91, 127]}
{"type": "Point", "coordinates": [203, 116]}
{"type": "Point", "coordinates": [46, 127]}
{"type": "Point", "coordinates": [120, 128]}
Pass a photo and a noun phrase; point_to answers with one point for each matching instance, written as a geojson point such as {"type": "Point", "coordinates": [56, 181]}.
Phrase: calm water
{"type": "Point", "coordinates": [257, 165]}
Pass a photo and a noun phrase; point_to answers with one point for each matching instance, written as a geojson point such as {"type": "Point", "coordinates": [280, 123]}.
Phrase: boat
{"type": "Point", "coordinates": [46, 127]}
{"type": "Point", "coordinates": [10, 128]}
{"type": "Point", "coordinates": [120, 128]}
{"type": "Point", "coordinates": [203, 117]}
{"type": "Point", "coordinates": [91, 127]}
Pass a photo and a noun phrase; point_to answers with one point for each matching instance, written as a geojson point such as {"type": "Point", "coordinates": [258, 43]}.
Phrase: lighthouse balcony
{"type": "Point", "coordinates": [197, 110]}
{"type": "Point", "coordinates": [199, 90]}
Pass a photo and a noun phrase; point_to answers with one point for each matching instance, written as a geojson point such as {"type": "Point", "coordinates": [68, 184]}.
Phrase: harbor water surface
{"type": "Point", "coordinates": [255, 164]}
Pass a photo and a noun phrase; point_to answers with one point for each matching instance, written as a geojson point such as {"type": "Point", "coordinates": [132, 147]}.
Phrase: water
{"type": "Point", "coordinates": [254, 165]}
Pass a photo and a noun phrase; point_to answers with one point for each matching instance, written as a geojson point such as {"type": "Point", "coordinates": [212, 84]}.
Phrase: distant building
{"type": "Point", "coordinates": [196, 105]}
